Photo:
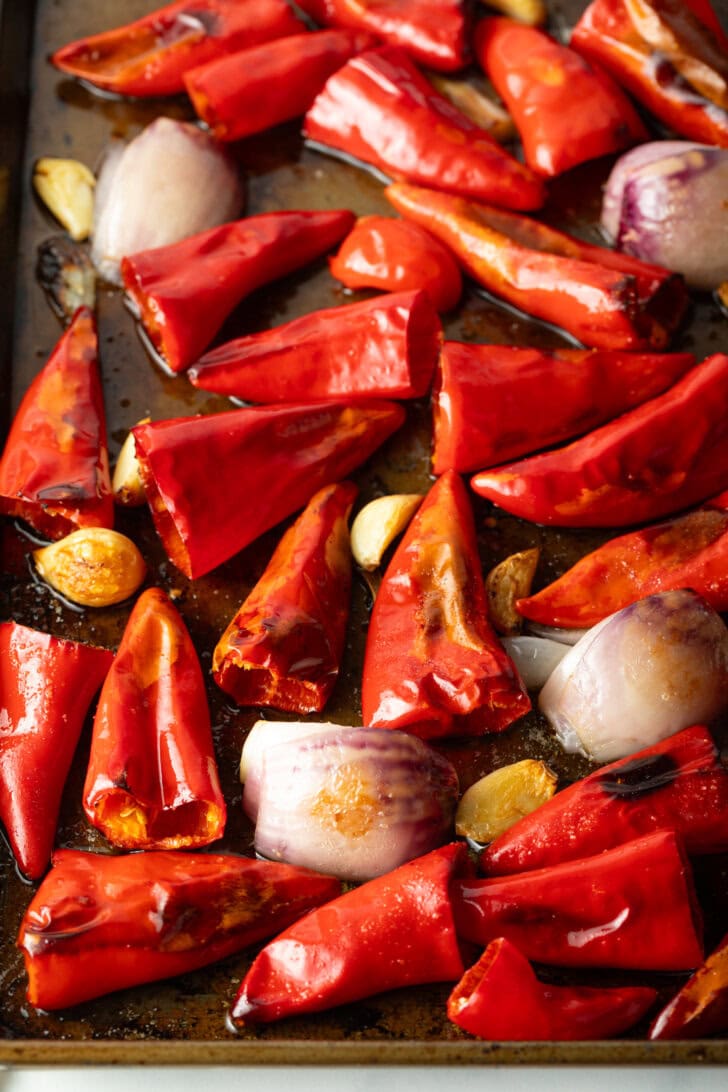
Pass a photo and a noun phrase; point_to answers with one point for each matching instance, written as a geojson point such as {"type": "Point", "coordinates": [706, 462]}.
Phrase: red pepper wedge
{"type": "Point", "coordinates": [663, 456]}
{"type": "Point", "coordinates": [700, 1008]}
{"type": "Point", "coordinates": [46, 687]}
{"type": "Point", "coordinates": [500, 998]}
{"type": "Point", "coordinates": [149, 56]}
{"type": "Point", "coordinates": [605, 299]}
{"type": "Point", "coordinates": [566, 111]}
{"type": "Point", "coordinates": [385, 347]}
{"type": "Point", "coordinates": [433, 666]}
{"type": "Point", "coordinates": [185, 291]}
{"type": "Point", "coordinates": [152, 779]}
{"type": "Point", "coordinates": [215, 483]}
{"type": "Point", "coordinates": [100, 923]}
{"type": "Point", "coordinates": [496, 402]}
{"type": "Point", "coordinates": [283, 648]}
{"type": "Point", "coordinates": [54, 471]}
{"type": "Point", "coordinates": [393, 931]}
{"type": "Point", "coordinates": [380, 109]}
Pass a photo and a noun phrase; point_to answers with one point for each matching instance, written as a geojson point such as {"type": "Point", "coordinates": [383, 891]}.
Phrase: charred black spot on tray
{"type": "Point", "coordinates": [640, 776]}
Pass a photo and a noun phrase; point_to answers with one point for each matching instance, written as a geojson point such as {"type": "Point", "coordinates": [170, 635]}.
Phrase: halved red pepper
{"type": "Point", "coordinates": [101, 923]}
{"type": "Point", "coordinates": [385, 347]}
{"type": "Point", "coordinates": [185, 291]}
{"type": "Point", "coordinates": [700, 1008]}
{"type": "Point", "coordinates": [46, 687]}
{"type": "Point", "coordinates": [54, 471]}
{"type": "Point", "coordinates": [283, 648]}
{"type": "Point", "coordinates": [433, 666]}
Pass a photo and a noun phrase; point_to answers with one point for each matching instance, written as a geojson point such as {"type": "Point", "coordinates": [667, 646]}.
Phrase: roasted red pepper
{"type": "Point", "coordinates": [185, 291]}
{"type": "Point", "coordinates": [700, 1008]}
{"type": "Point", "coordinates": [380, 109]}
{"type": "Point", "coordinates": [149, 56]}
{"type": "Point", "coordinates": [394, 931]}
{"type": "Point", "coordinates": [433, 666]}
{"type": "Point", "coordinates": [215, 483]}
{"type": "Point", "coordinates": [283, 648]}
{"type": "Point", "coordinates": [386, 347]}
{"type": "Point", "coordinates": [606, 299]}
{"type": "Point", "coordinates": [101, 923]}
{"type": "Point", "coordinates": [54, 471]}
{"type": "Point", "coordinates": [46, 687]}
{"type": "Point", "coordinates": [663, 456]}
{"type": "Point", "coordinates": [500, 998]}
{"type": "Point", "coordinates": [496, 402]}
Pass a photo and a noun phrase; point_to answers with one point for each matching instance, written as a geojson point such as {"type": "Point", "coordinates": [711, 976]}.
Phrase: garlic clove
{"type": "Point", "coordinates": [532, 12]}
{"type": "Point", "coordinates": [485, 111]}
{"type": "Point", "coordinates": [126, 484]}
{"type": "Point", "coordinates": [93, 567]}
{"type": "Point", "coordinates": [378, 524]}
{"type": "Point", "coordinates": [66, 187]}
{"type": "Point", "coordinates": [508, 581]}
{"type": "Point", "coordinates": [493, 804]}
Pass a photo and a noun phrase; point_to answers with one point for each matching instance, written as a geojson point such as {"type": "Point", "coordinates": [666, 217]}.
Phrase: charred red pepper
{"type": "Point", "coordinates": [380, 109]}
{"type": "Point", "coordinates": [283, 648]}
{"type": "Point", "coordinates": [54, 471]}
{"type": "Point", "coordinates": [386, 347]}
{"type": "Point", "coordinates": [46, 687]}
{"type": "Point", "coordinates": [101, 923]}
{"type": "Point", "coordinates": [700, 1008]}
{"type": "Point", "coordinates": [433, 666]}
{"type": "Point", "coordinates": [185, 291]}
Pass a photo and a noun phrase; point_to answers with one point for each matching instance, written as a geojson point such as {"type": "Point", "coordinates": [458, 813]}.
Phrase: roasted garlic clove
{"type": "Point", "coordinates": [66, 275]}
{"type": "Point", "coordinates": [67, 188]}
{"type": "Point", "coordinates": [493, 804]}
{"type": "Point", "coordinates": [508, 581]}
{"type": "Point", "coordinates": [480, 107]}
{"type": "Point", "coordinates": [93, 567]}
{"type": "Point", "coordinates": [378, 524]}
{"type": "Point", "coordinates": [533, 12]}
{"type": "Point", "coordinates": [126, 483]}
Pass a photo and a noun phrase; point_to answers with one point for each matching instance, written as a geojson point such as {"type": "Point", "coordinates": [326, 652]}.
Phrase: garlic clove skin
{"type": "Point", "coordinates": [377, 525]}
{"type": "Point", "coordinates": [66, 187]}
{"type": "Point", "coordinates": [497, 801]}
{"type": "Point", "coordinates": [93, 567]}
{"type": "Point", "coordinates": [126, 483]}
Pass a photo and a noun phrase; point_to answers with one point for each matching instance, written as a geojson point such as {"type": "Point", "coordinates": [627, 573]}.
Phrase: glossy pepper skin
{"type": "Point", "coordinates": [185, 291]}
{"type": "Point", "coordinates": [496, 402]}
{"type": "Point", "coordinates": [283, 648]}
{"type": "Point", "coordinates": [385, 347]}
{"type": "Point", "coordinates": [396, 930]}
{"type": "Point", "coordinates": [700, 1008]}
{"type": "Point", "coordinates": [102, 923]}
{"type": "Point", "coordinates": [500, 998]}
{"type": "Point", "coordinates": [566, 112]}
{"type": "Point", "coordinates": [605, 299]}
{"type": "Point", "coordinates": [433, 666]}
{"type": "Point", "coordinates": [215, 483]}
{"type": "Point", "coordinates": [380, 109]}
{"type": "Point", "coordinates": [149, 56]}
{"type": "Point", "coordinates": [666, 455]}
{"type": "Point", "coordinates": [54, 471]}
{"type": "Point", "coordinates": [152, 779]}
{"type": "Point", "coordinates": [46, 688]}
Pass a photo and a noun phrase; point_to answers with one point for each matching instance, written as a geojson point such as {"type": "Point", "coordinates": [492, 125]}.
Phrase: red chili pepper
{"type": "Point", "coordinates": [101, 923]}
{"type": "Point", "coordinates": [394, 931]}
{"type": "Point", "coordinates": [380, 109]}
{"type": "Point", "coordinates": [149, 56]}
{"type": "Point", "coordinates": [700, 1008]}
{"type": "Point", "coordinates": [663, 456]}
{"type": "Point", "coordinates": [566, 112]}
{"type": "Point", "coordinates": [500, 998]}
{"type": "Point", "coordinates": [385, 347]}
{"type": "Point", "coordinates": [54, 471]}
{"type": "Point", "coordinates": [185, 291]}
{"type": "Point", "coordinates": [283, 648]}
{"type": "Point", "coordinates": [496, 402]}
{"type": "Point", "coordinates": [215, 483]}
{"type": "Point", "coordinates": [46, 687]}
{"type": "Point", "coordinates": [433, 665]}
{"type": "Point", "coordinates": [632, 907]}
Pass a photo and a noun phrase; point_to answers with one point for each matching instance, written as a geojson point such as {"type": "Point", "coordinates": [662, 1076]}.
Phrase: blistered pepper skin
{"type": "Point", "coordinates": [700, 1008]}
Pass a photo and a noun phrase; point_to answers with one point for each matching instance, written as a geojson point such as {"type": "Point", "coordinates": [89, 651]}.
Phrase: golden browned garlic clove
{"type": "Point", "coordinates": [477, 105]}
{"type": "Point", "coordinates": [533, 12]}
{"type": "Point", "coordinates": [506, 582]}
{"type": "Point", "coordinates": [493, 804]}
{"type": "Point", "coordinates": [378, 524]}
{"type": "Point", "coordinates": [126, 483]}
{"type": "Point", "coordinates": [67, 188]}
{"type": "Point", "coordinates": [93, 567]}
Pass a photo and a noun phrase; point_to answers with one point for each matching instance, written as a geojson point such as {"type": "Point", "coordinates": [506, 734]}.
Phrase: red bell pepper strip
{"type": "Point", "coordinates": [496, 402]}
{"type": "Point", "coordinates": [665, 455]}
{"type": "Point", "coordinates": [152, 779]}
{"type": "Point", "coordinates": [397, 256]}
{"type": "Point", "coordinates": [185, 291]}
{"type": "Point", "coordinates": [566, 112]}
{"type": "Point", "coordinates": [433, 666]}
{"type": "Point", "coordinates": [46, 687]}
{"type": "Point", "coordinates": [700, 1008]}
{"type": "Point", "coordinates": [54, 471]}
{"type": "Point", "coordinates": [380, 109]}
{"type": "Point", "coordinates": [394, 931]}
{"type": "Point", "coordinates": [679, 783]}
{"type": "Point", "coordinates": [149, 56]}
{"type": "Point", "coordinates": [500, 998]}
{"type": "Point", "coordinates": [283, 648]}
{"type": "Point", "coordinates": [215, 483]}
{"type": "Point", "coordinates": [672, 55]}
{"type": "Point", "coordinates": [101, 923]}
{"type": "Point", "coordinates": [385, 347]}
{"type": "Point", "coordinates": [630, 907]}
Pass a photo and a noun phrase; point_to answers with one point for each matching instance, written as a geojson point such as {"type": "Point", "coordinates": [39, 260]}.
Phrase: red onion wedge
{"type": "Point", "coordinates": [535, 657]}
